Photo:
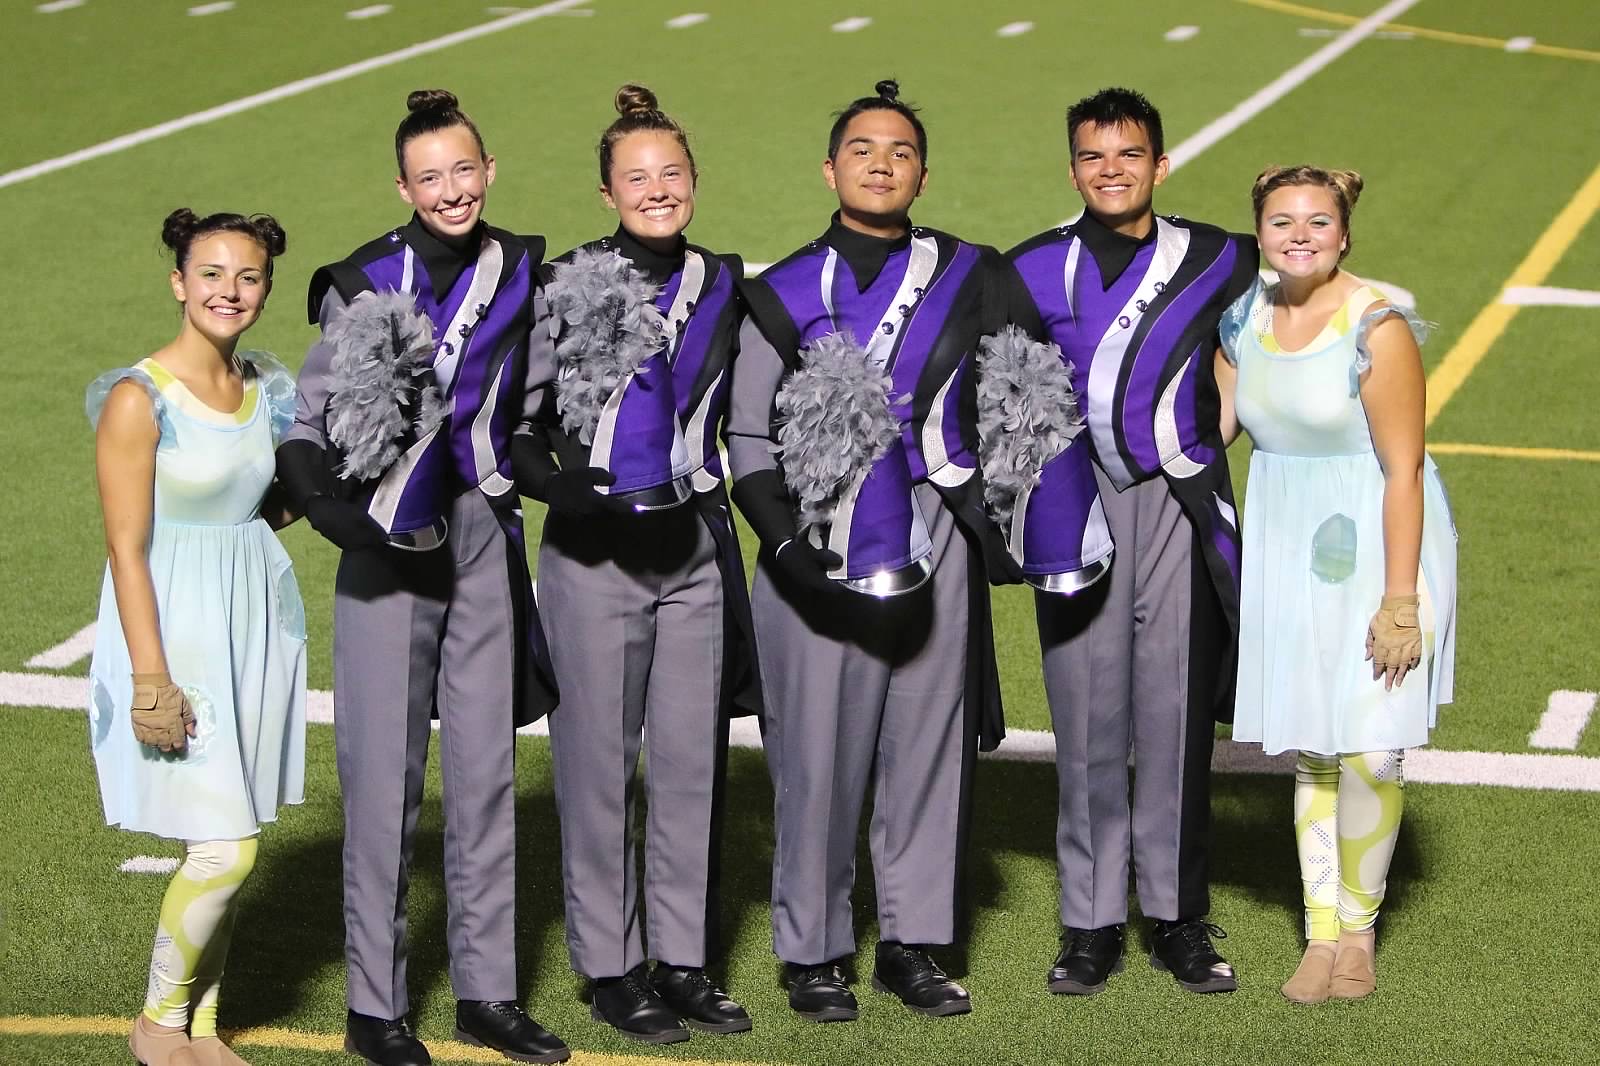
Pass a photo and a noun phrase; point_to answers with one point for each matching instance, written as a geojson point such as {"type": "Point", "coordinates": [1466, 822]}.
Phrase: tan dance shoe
{"type": "Point", "coordinates": [155, 1045]}
{"type": "Point", "coordinates": [1354, 973]}
{"type": "Point", "coordinates": [211, 1051]}
{"type": "Point", "coordinates": [1310, 981]}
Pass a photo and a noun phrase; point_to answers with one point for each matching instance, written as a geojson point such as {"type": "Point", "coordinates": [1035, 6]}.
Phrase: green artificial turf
{"type": "Point", "coordinates": [1470, 153]}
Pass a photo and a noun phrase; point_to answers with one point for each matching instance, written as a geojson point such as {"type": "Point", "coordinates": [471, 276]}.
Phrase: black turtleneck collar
{"type": "Point", "coordinates": [865, 253]}
{"type": "Point", "coordinates": [1112, 251]}
{"type": "Point", "coordinates": [444, 261]}
{"type": "Point", "coordinates": [654, 265]}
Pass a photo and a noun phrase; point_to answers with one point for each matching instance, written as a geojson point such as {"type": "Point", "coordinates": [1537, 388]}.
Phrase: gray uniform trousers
{"type": "Point", "coordinates": [1121, 665]}
{"type": "Point", "coordinates": [635, 624]}
{"type": "Point", "coordinates": [413, 631]}
{"type": "Point", "coordinates": [858, 688]}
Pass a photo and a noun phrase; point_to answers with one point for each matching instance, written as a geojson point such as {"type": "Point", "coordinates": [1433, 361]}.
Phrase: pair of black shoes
{"type": "Point", "coordinates": [505, 1027]}
{"type": "Point", "coordinates": [661, 1007]}
{"type": "Point", "coordinates": [1183, 948]}
{"type": "Point", "coordinates": [821, 993]}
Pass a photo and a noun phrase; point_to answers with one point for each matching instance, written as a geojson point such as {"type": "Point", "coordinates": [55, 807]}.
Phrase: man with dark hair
{"type": "Point", "coordinates": [1143, 657]}
{"type": "Point", "coordinates": [889, 683]}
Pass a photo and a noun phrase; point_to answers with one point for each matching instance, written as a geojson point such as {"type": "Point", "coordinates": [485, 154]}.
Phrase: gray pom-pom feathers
{"type": "Point", "coordinates": [609, 326]}
{"type": "Point", "coordinates": [834, 423]}
{"type": "Point", "coordinates": [381, 387]}
{"type": "Point", "coordinates": [1027, 415]}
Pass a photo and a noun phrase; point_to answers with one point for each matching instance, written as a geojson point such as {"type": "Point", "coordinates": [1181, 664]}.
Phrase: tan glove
{"type": "Point", "coordinates": [1394, 639]}
{"type": "Point", "coordinates": [161, 714]}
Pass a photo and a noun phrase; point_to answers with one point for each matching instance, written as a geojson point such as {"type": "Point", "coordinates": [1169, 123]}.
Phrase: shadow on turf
{"type": "Point", "coordinates": [286, 948]}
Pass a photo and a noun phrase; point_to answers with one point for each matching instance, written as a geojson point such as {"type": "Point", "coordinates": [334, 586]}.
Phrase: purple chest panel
{"type": "Point", "coordinates": [699, 377]}
{"type": "Point", "coordinates": [1077, 311]}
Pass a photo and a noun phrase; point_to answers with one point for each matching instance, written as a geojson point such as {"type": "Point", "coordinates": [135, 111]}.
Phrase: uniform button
{"type": "Point", "coordinates": [888, 328]}
{"type": "Point", "coordinates": [1141, 305]}
{"type": "Point", "coordinates": [1124, 321]}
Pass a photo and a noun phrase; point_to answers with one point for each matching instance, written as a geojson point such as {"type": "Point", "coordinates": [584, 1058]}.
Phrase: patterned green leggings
{"type": "Point", "coordinates": [1346, 819]}
{"type": "Point", "coordinates": [192, 938]}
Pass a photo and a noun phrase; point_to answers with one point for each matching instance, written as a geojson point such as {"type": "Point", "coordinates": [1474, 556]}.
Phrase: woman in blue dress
{"type": "Point", "coordinates": [1347, 606]}
{"type": "Point", "coordinates": [197, 686]}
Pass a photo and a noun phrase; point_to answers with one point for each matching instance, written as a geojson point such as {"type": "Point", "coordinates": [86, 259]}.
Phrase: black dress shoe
{"type": "Point", "coordinates": [506, 1028]}
{"type": "Point", "coordinates": [630, 1006]}
{"type": "Point", "coordinates": [1183, 949]}
{"type": "Point", "coordinates": [701, 1004]}
{"type": "Point", "coordinates": [384, 1042]}
{"type": "Point", "coordinates": [820, 993]}
{"type": "Point", "coordinates": [916, 979]}
{"type": "Point", "coordinates": [1087, 958]}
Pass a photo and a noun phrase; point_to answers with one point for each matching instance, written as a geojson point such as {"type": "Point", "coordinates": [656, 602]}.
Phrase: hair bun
{"type": "Point", "coordinates": [270, 233]}
{"type": "Point", "coordinates": [636, 100]}
{"type": "Point", "coordinates": [179, 228]}
{"type": "Point", "coordinates": [888, 89]}
{"type": "Point", "coordinates": [1350, 183]}
{"type": "Point", "coordinates": [432, 100]}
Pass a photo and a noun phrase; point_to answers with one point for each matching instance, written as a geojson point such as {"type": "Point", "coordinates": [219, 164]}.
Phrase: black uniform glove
{"type": "Point", "coordinates": [567, 492]}
{"type": "Point", "coordinates": [764, 501]}
{"type": "Point", "coordinates": [344, 523]}
{"type": "Point", "coordinates": [808, 566]}
{"type": "Point", "coordinates": [303, 473]}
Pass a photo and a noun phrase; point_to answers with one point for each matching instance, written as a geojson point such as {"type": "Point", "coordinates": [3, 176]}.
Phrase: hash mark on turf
{"type": "Point", "coordinates": [1013, 29]}
{"type": "Point", "coordinates": [1520, 44]}
{"type": "Point", "coordinates": [1548, 296]}
{"type": "Point", "coordinates": [1182, 33]}
{"type": "Point", "coordinates": [149, 864]}
{"type": "Point", "coordinates": [1562, 724]}
{"type": "Point", "coordinates": [212, 9]}
{"type": "Point", "coordinates": [851, 25]}
{"type": "Point", "coordinates": [371, 11]}
{"type": "Point", "coordinates": [693, 18]}
{"type": "Point", "coordinates": [58, 5]}
{"type": "Point", "coordinates": [66, 653]}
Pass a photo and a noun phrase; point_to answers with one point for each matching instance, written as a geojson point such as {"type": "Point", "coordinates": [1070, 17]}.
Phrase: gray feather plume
{"type": "Point", "coordinates": [834, 423]}
{"type": "Point", "coordinates": [381, 391]}
{"type": "Point", "coordinates": [609, 326]}
{"type": "Point", "coordinates": [1027, 415]}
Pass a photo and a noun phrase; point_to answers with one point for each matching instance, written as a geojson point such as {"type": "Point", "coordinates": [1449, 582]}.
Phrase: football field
{"type": "Point", "coordinates": [1476, 124]}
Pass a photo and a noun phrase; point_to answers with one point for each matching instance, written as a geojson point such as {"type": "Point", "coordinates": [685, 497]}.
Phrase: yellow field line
{"type": "Point", "coordinates": [1497, 43]}
{"type": "Point", "coordinates": [301, 1040]}
{"type": "Point", "coordinates": [1491, 322]}
{"type": "Point", "coordinates": [1499, 451]}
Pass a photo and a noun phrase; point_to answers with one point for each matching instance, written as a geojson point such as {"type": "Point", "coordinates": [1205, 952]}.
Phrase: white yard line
{"type": "Point", "coordinates": [76, 647]}
{"type": "Point", "coordinates": [1285, 83]}
{"type": "Point", "coordinates": [1547, 296]}
{"type": "Point", "coordinates": [282, 92]}
{"type": "Point", "coordinates": [1570, 773]}
{"type": "Point", "coordinates": [1564, 720]}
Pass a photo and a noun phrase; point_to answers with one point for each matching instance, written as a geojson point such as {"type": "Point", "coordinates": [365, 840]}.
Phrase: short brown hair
{"type": "Point", "coordinates": [1345, 185]}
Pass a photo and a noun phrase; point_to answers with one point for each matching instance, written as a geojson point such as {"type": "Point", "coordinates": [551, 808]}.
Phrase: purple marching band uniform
{"type": "Point", "coordinates": [443, 622]}
{"type": "Point", "coordinates": [652, 630]}
{"type": "Point", "coordinates": [1145, 655]}
{"type": "Point", "coordinates": [854, 683]}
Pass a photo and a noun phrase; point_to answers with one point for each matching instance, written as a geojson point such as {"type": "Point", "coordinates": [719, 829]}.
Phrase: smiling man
{"type": "Point", "coordinates": [857, 688]}
{"type": "Point", "coordinates": [1144, 657]}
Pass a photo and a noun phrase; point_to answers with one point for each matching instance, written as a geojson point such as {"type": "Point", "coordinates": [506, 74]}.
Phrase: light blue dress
{"type": "Point", "coordinates": [232, 622]}
{"type": "Point", "coordinates": [1313, 562]}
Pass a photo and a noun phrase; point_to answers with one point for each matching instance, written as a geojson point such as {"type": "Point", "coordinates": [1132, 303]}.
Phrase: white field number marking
{"type": "Point", "coordinates": [1564, 719]}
